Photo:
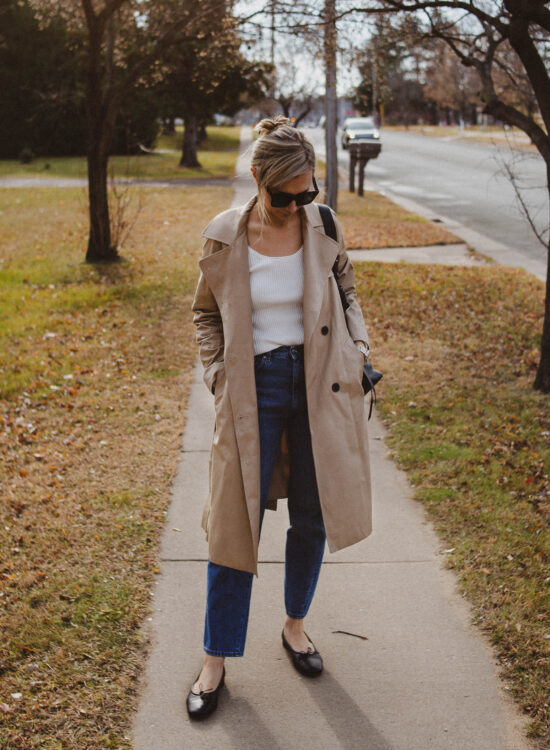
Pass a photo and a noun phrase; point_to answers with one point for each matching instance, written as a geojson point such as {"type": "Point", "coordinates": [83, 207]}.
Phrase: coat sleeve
{"type": "Point", "coordinates": [208, 322]}
{"type": "Point", "coordinates": [346, 277]}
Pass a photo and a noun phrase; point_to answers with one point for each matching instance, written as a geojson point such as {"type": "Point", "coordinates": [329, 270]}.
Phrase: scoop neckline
{"type": "Point", "coordinates": [277, 257]}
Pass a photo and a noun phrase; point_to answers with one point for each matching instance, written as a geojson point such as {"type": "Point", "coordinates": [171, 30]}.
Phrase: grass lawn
{"type": "Point", "coordinates": [458, 348]}
{"type": "Point", "coordinates": [95, 369]}
{"type": "Point", "coordinates": [217, 155]}
{"type": "Point", "coordinates": [373, 221]}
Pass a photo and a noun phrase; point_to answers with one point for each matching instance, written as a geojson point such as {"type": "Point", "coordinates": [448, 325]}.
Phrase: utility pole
{"type": "Point", "coordinates": [374, 83]}
{"type": "Point", "coordinates": [331, 186]}
{"type": "Point", "coordinates": [272, 9]}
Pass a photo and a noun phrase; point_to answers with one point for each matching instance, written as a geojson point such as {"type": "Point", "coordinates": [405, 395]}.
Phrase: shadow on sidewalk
{"type": "Point", "coordinates": [242, 724]}
{"type": "Point", "coordinates": [344, 716]}
{"type": "Point", "coordinates": [351, 727]}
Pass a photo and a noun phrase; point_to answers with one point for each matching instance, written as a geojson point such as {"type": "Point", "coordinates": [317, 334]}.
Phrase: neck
{"type": "Point", "coordinates": [277, 219]}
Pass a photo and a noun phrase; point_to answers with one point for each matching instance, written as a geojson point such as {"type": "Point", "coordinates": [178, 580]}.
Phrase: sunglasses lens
{"type": "Point", "coordinates": [282, 200]}
{"type": "Point", "coordinates": [306, 198]}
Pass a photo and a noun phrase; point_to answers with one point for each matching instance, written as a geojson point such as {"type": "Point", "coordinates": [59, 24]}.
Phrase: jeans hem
{"type": "Point", "coordinates": [210, 652]}
{"type": "Point", "coordinates": [297, 617]}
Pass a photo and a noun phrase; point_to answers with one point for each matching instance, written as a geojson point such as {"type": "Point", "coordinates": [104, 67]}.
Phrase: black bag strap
{"type": "Point", "coordinates": [328, 221]}
{"type": "Point", "coordinates": [330, 230]}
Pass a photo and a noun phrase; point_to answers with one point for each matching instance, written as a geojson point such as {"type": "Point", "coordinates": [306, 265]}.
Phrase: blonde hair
{"type": "Point", "coordinates": [280, 154]}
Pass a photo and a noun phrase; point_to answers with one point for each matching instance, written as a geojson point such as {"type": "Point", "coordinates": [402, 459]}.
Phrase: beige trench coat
{"type": "Point", "coordinates": [333, 368]}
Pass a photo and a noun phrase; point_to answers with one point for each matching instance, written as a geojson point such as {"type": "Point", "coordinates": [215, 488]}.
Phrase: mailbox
{"type": "Point", "coordinates": [360, 153]}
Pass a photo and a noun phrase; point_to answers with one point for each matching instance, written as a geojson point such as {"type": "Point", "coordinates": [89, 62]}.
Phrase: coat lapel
{"type": "Point", "coordinates": [227, 274]}
{"type": "Point", "coordinates": [320, 252]}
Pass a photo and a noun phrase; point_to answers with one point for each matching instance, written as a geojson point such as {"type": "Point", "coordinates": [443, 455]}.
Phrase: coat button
{"type": "Point", "coordinates": [324, 330]}
{"type": "Point", "coordinates": [336, 387]}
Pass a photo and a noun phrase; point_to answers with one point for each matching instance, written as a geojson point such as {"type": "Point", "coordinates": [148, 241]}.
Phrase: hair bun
{"type": "Point", "coordinates": [269, 125]}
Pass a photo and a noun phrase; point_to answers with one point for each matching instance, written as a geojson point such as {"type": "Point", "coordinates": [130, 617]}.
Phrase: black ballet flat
{"type": "Point", "coordinates": [308, 663]}
{"type": "Point", "coordinates": [200, 705]}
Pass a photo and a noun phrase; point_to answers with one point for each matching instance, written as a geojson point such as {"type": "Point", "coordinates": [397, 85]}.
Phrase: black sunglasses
{"type": "Point", "coordinates": [281, 200]}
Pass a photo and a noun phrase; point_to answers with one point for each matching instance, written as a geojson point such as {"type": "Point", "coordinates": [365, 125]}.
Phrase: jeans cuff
{"type": "Point", "coordinates": [210, 652]}
{"type": "Point", "coordinates": [297, 616]}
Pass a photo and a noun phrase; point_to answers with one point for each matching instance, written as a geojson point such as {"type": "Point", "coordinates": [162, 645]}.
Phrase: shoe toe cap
{"type": "Point", "coordinates": [201, 705]}
{"type": "Point", "coordinates": [315, 662]}
{"type": "Point", "coordinates": [309, 664]}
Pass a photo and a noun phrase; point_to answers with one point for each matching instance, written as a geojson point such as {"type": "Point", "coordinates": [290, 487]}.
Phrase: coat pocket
{"type": "Point", "coordinates": [219, 381]}
{"type": "Point", "coordinates": [357, 357]}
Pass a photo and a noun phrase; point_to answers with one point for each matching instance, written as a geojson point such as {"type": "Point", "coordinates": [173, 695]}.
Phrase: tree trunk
{"type": "Point", "coordinates": [302, 114]}
{"type": "Point", "coordinates": [100, 117]}
{"type": "Point", "coordinates": [189, 149]}
{"type": "Point", "coordinates": [99, 241]}
{"type": "Point", "coordinates": [542, 379]}
{"type": "Point", "coordinates": [169, 126]}
{"type": "Point", "coordinates": [100, 113]}
{"type": "Point", "coordinates": [331, 187]}
{"type": "Point", "coordinates": [285, 105]}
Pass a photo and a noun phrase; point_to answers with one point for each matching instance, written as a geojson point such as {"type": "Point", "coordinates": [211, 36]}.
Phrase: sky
{"type": "Point", "coordinates": [299, 60]}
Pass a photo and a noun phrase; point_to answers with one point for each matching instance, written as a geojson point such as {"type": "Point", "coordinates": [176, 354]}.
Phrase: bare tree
{"type": "Point", "coordinates": [125, 39]}
{"type": "Point", "coordinates": [313, 24]}
{"type": "Point", "coordinates": [453, 88]}
{"type": "Point", "coordinates": [295, 97]}
{"type": "Point", "coordinates": [485, 36]}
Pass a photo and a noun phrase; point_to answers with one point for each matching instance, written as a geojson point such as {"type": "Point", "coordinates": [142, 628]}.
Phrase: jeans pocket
{"type": "Point", "coordinates": [261, 362]}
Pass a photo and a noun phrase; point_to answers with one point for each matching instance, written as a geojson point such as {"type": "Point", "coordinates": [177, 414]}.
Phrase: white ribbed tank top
{"type": "Point", "coordinates": [277, 291]}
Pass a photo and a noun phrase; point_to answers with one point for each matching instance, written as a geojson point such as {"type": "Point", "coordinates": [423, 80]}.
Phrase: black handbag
{"type": "Point", "coordinates": [370, 376]}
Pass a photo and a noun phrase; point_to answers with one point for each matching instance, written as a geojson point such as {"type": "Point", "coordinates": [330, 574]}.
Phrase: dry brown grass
{"type": "Point", "coordinates": [373, 221]}
{"type": "Point", "coordinates": [459, 349]}
{"type": "Point", "coordinates": [88, 460]}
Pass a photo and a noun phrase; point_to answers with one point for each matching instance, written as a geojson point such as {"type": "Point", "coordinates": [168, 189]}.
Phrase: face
{"type": "Point", "coordinates": [296, 185]}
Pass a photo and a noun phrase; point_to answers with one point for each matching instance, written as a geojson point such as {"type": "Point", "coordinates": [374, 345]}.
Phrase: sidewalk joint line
{"type": "Point", "coordinates": [327, 562]}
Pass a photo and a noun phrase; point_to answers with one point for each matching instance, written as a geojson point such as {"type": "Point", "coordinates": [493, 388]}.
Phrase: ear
{"type": "Point", "coordinates": [253, 170]}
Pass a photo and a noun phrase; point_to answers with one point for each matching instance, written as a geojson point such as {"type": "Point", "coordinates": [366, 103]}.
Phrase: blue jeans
{"type": "Point", "coordinates": [281, 396]}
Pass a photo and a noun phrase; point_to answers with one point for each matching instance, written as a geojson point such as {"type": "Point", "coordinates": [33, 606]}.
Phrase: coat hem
{"type": "Point", "coordinates": [337, 546]}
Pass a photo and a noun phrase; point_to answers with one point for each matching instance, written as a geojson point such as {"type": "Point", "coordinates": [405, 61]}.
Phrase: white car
{"type": "Point", "coordinates": [359, 130]}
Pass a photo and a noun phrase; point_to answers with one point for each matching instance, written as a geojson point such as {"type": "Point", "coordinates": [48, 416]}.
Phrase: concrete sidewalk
{"type": "Point", "coordinates": [404, 669]}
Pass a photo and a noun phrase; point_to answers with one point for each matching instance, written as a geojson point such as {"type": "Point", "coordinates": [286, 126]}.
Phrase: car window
{"type": "Point", "coordinates": [360, 124]}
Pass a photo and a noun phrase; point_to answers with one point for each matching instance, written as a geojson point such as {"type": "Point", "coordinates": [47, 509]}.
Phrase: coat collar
{"type": "Point", "coordinates": [228, 225]}
{"type": "Point", "coordinates": [227, 273]}
{"type": "Point", "coordinates": [226, 270]}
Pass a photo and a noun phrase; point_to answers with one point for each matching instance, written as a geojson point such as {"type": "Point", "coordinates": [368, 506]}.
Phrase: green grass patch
{"type": "Point", "coordinates": [217, 156]}
{"type": "Point", "coordinates": [459, 349]}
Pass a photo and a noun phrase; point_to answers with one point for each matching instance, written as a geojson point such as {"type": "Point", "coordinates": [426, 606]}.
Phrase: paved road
{"type": "Point", "coordinates": [461, 180]}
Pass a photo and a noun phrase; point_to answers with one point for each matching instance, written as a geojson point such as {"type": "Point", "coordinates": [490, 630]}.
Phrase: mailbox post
{"type": "Point", "coordinates": [360, 153]}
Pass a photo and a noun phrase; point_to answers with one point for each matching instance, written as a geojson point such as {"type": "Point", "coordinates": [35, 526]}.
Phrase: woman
{"type": "Point", "coordinates": [285, 365]}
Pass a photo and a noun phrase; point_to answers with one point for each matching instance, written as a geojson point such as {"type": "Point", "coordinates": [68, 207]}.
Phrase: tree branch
{"type": "Point", "coordinates": [529, 11]}
{"type": "Point", "coordinates": [541, 236]}
{"type": "Point", "coordinates": [496, 107]}
{"type": "Point", "coordinates": [534, 65]}
{"type": "Point", "coordinates": [415, 5]}
{"type": "Point", "coordinates": [108, 10]}
{"type": "Point", "coordinates": [89, 12]}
